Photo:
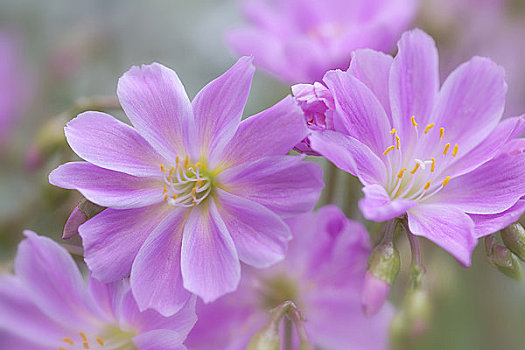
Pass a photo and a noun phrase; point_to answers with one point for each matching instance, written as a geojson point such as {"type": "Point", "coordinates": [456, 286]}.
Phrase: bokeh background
{"type": "Point", "coordinates": [67, 50]}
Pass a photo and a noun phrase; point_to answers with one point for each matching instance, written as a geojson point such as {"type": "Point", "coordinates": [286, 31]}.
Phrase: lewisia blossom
{"type": "Point", "coordinates": [47, 305]}
{"type": "Point", "coordinates": [298, 41]}
{"type": "Point", "coordinates": [440, 156]}
{"type": "Point", "coordinates": [323, 274]}
{"type": "Point", "coordinates": [191, 189]}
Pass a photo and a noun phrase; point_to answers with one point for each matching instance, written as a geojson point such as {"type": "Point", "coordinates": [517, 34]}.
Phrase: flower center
{"type": "Point", "coordinates": [185, 185]}
{"type": "Point", "coordinates": [413, 170]}
{"type": "Point", "coordinates": [277, 290]}
{"type": "Point", "coordinates": [113, 339]}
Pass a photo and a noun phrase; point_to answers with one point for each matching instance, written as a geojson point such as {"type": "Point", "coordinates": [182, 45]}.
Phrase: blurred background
{"type": "Point", "coordinates": [56, 55]}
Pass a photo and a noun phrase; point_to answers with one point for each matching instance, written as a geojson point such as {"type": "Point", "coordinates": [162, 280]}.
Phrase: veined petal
{"type": "Point", "coordinates": [414, 81]}
{"type": "Point", "coordinates": [488, 224]}
{"type": "Point", "coordinates": [490, 189]}
{"type": "Point", "coordinates": [284, 184]}
{"type": "Point", "coordinates": [160, 339]}
{"type": "Point", "coordinates": [471, 102]}
{"type": "Point", "coordinates": [372, 68]}
{"type": "Point", "coordinates": [156, 103]}
{"type": "Point", "coordinates": [218, 107]}
{"type": "Point", "coordinates": [359, 112]}
{"type": "Point", "coordinates": [108, 188]}
{"type": "Point", "coordinates": [378, 206]}
{"type": "Point", "coordinates": [448, 227]}
{"type": "Point", "coordinates": [274, 131]}
{"type": "Point", "coordinates": [350, 155]}
{"type": "Point", "coordinates": [156, 279]}
{"type": "Point", "coordinates": [210, 264]}
{"type": "Point", "coordinates": [260, 236]}
{"type": "Point", "coordinates": [113, 238]}
{"type": "Point", "coordinates": [58, 287]}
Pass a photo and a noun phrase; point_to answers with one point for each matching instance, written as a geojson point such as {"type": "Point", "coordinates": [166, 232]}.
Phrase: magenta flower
{"type": "Point", "coordinates": [191, 190]}
{"type": "Point", "coordinates": [47, 305]}
{"type": "Point", "coordinates": [440, 156]}
{"type": "Point", "coordinates": [298, 41]}
{"type": "Point", "coordinates": [324, 279]}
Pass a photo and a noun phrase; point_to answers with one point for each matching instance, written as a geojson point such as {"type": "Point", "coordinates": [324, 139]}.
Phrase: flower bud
{"type": "Point", "coordinates": [49, 139]}
{"type": "Point", "coordinates": [514, 238]}
{"type": "Point", "coordinates": [374, 294]}
{"type": "Point", "coordinates": [503, 259]}
{"type": "Point", "coordinates": [84, 211]}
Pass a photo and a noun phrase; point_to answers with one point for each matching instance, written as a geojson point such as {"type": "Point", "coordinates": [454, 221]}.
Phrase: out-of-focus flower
{"type": "Point", "coordinates": [441, 156]}
{"type": "Point", "coordinates": [323, 274]}
{"type": "Point", "coordinates": [298, 41]}
{"type": "Point", "coordinates": [47, 305]}
{"type": "Point", "coordinates": [190, 190]}
{"type": "Point", "coordinates": [13, 83]}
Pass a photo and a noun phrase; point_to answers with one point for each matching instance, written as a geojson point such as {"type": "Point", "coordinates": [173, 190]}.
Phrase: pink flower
{"type": "Point", "coordinates": [323, 274]}
{"type": "Point", "coordinates": [298, 41]}
{"type": "Point", "coordinates": [191, 190]}
{"type": "Point", "coordinates": [47, 305]}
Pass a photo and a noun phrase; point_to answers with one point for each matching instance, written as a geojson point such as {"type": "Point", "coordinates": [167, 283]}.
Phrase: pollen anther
{"type": "Point", "coordinates": [100, 341]}
{"type": "Point", "coordinates": [455, 150]}
{"type": "Point", "coordinates": [413, 171]}
{"type": "Point", "coordinates": [445, 182]}
{"type": "Point", "coordinates": [388, 149]}
{"type": "Point", "coordinates": [400, 175]}
{"type": "Point", "coordinates": [429, 126]}
{"type": "Point", "coordinates": [433, 166]}
{"type": "Point", "coordinates": [427, 185]}
{"type": "Point", "coordinates": [398, 142]}
{"type": "Point", "coordinates": [441, 133]}
{"type": "Point", "coordinates": [162, 168]}
{"type": "Point", "coordinates": [447, 146]}
{"type": "Point", "coordinates": [68, 340]}
{"type": "Point", "coordinates": [413, 119]}
{"type": "Point", "coordinates": [393, 131]}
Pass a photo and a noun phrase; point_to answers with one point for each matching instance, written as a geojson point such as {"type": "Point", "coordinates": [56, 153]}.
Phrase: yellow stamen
{"type": "Point", "coordinates": [193, 191]}
{"type": "Point", "coordinates": [165, 197]}
{"type": "Point", "coordinates": [162, 168]}
{"type": "Point", "coordinates": [447, 146]}
{"type": "Point", "coordinates": [400, 175]}
{"type": "Point", "coordinates": [171, 172]}
{"type": "Point", "coordinates": [198, 164]}
{"type": "Point", "coordinates": [186, 161]}
{"type": "Point", "coordinates": [61, 348]}
{"type": "Point", "coordinates": [177, 161]}
{"type": "Point", "coordinates": [199, 183]}
{"type": "Point", "coordinates": [413, 171]}
{"type": "Point", "coordinates": [429, 126]}
{"type": "Point", "coordinates": [398, 142]}
{"type": "Point", "coordinates": [414, 121]}
{"type": "Point", "coordinates": [165, 190]}
{"type": "Point", "coordinates": [442, 133]}
{"type": "Point", "coordinates": [195, 203]}
{"type": "Point", "coordinates": [455, 150]}
{"type": "Point", "coordinates": [445, 182]}
{"type": "Point", "coordinates": [427, 185]}
{"type": "Point", "coordinates": [100, 341]}
{"type": "Point", "coordinates": [83, 336]}
{"type": "Point", "coordinates": [433, 166]}
{"type": "Point", "coordinates": [389, 148]}
{"type": "Point", "coordinates": [86, 345]}
{"type": "Point", "coordinates": [68, 340]}
{"type": "Point", "coordinates": [393, 131]}
{"type": "Point", "coordinates": [174, 196]}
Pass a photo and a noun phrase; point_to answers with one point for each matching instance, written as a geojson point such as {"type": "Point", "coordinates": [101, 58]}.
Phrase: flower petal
{"type": "Point", "coordinates": [448, 227]}
{"type": "Point", "coordinates": [284, 184]}
{"type": "Point", "coordinates": [156, 279]}
{"type": "Point", "coordinates": [372, 68]}
{"type": "Point", "coordinates": [108, 143]}
{"type": "Point", "coordinates": [414, 81]}
{"type": "Point", "coordinates": [274, 131]}
{"type": "Point", "coordinates": [219, 105]}
{"type": "Point", "coordinates": [378, 206]}
{"type": "Point", "coordinates": [108, 188]}
{"type": "Point", "coordinates": [160, 339]}
{"type": "Point", "coordinates": [113, 238]}
{"type": "Point", "coordinates": [359, 112]}
{"type": "Point", "coordinates": [156, 103]}
{"type": "Point", "coordinates": [210, 265]}
{"type": "Point", "coordinates": [57, 286]}
{"type": "Point", "coordinates": [490, 189]}
{"type": "Point", "coordinates": [488, 224]}
{"type": "Point", "coordinates": [350, 155]}
{"type": "Point", "coordinates": [471, 102]}
{"type": "Point", "coordinates": [260, 236]}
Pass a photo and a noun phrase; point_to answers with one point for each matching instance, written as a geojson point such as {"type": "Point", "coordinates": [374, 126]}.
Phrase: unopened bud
{"type": "Point", "coordinates": [49, 139]}
{"type": "Point", "coordinates": [503, 259]}
{"type": "Point", "coordinates": [84, 211]}
{"type": "Point", "coordinates": [374, 294]}
{"type": "Point", "coordinates": [514, 238]}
